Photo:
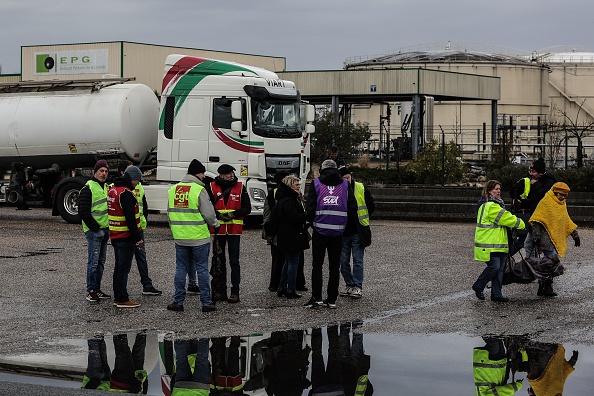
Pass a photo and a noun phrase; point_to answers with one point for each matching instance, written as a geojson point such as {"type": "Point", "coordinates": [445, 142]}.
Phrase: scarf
{"type": "Point", "coordinates": [552, 214]}
{"type": "Point", "coordinates": [497, 200]}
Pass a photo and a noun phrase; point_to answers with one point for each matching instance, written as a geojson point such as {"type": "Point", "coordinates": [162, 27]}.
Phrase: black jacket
{"type": "Point", "coordinates": [539, 189]}
{"type": "Point", "coordinates": [85, 200]}
{"type": "Point", "coordinates": [128, 202]}
{"type": "Point", "coordinates": [246, 205]}
{"type": "Point", "coordinates": [329, 177]}
{"type": "Point", "coordinates": [288, 220]}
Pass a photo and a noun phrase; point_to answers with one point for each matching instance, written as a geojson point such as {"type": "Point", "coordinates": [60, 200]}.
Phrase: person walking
{"type": "Point", "coordinates": [356, 237]}
{"type": "Point", "coordinates": [328, 201]}
{"type": "Point", "coordinates": [491, 241]}
{"type": "Point", "coordinates": [288, 224]}
{"type": "Point", "coordinates": [124, 232]}
{"type": "Point", "coordinates": [542, 182]}
{"type": "Point", "coordinates": [190, 213]}
{"type": "Point", "coordinates": [520, 207]}
{"type": "Point", "coordinates": [551, 225]}
{"type": "Point", "coordinates": [231, 202]}
{"type": "Point", "coordinates": [140, 252]}
{"type": "Point", "coordinates": [92, 209]}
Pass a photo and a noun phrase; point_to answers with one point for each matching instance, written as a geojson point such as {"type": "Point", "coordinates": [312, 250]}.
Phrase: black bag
{"type": "Point", "coordinates": [364, 234]}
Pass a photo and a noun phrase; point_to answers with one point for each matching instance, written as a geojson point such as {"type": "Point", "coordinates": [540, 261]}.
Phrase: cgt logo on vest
{"type": "Point", "coordinates": [181, 198]}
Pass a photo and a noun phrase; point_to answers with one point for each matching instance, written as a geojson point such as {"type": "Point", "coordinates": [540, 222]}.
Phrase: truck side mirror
{"type": "Point", "coordinates": [236, 110]}
{"type": "Point", "coordinates": [310, 113]}
{"type": "Point", "coordinates": [309, 128]}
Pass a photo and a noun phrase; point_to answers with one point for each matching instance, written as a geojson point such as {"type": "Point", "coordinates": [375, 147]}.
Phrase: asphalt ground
{"type": "Point", "coordinates": [417, 280]}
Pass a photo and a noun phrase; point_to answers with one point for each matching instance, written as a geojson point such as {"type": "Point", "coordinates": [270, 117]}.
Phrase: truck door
{"type": "Point", "coordinates": [227, 146]}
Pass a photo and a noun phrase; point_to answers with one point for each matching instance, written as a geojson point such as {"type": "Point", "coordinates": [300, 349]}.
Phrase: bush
{"type": "Point", "coordinates": [578, 179]}
{"type": "Point", "coordinates": [372, 176]}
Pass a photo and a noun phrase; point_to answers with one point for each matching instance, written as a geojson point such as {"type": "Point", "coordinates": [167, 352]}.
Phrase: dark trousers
{"type": "Point", "coordinates": [329, 376]}
{"type": "Point", "coordinates": [140, 255]}
{"type": "Point", "coordinates": [124, 254]}
{"type": "Point", "coordinates": [278, 260]}
{"type": "Point", "coordinates": [320, 244]}
{"type": "Point", "coordinates": [232, 241]}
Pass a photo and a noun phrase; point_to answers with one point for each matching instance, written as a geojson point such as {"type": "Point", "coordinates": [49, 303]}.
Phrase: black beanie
{"type": "Point", "coordinates": [538, 165]}
{"type": "Point", "coordinates": [196, 167]}
{"type": "Point", "coordinates": [100, 164]}
{"type": "Point", "coordinates": [225, 168]}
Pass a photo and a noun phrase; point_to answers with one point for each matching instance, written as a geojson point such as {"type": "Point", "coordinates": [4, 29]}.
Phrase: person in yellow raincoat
{"type": "Point", "coordinates": [551, 225]}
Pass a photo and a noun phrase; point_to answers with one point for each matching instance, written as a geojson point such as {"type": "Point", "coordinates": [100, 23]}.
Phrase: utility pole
{"type": "Point", "coordinates": [385, 126]}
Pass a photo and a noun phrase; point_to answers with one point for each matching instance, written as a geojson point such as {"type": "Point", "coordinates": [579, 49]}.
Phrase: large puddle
{"type": "Point", "coordinates": [332, 360]}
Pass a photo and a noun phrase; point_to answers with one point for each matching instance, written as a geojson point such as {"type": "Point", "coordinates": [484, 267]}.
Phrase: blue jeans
{"type": "Point", "coordinates": [232, 241]}
{"type": "Point", "coordinates": [289, 272]}
{"type": "Point", "coordinates": [352, 277]}
{"type": "Point", "coordinates": [185, 258]}
{"type": "Point", "coordinates": [493, 273]}
{"type": "Point", "coordinates": [124, 254]}
{"type": "Point", "coordinates": [140, 255]}
{"type": "Point", "coordinates": [97, 251]}
{"type": "Point", "coordinates": [201, 371]}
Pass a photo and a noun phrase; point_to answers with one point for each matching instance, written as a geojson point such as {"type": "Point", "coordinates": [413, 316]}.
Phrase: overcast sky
{"type": "Point", "coordinates": [310, 34]}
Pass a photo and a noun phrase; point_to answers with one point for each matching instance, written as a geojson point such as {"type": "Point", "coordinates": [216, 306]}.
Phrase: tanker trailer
{"type": "Point", "coordinates": [53, 132]}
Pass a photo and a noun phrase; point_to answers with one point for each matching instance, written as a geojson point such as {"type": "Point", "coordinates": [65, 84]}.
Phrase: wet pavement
{"type": "Point", "coordinates": [417, 309]}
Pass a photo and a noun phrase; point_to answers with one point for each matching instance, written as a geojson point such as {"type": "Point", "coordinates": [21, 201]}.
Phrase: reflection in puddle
{"type": "Point", "coordinates": [337, 360]}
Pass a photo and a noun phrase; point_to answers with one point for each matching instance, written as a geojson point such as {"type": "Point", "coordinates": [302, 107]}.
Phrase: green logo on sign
{"type": "Point", "coordinates": [44, 63]}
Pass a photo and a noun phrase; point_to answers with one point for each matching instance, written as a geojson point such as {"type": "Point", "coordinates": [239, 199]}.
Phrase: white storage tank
{"type": "Point", "coordinates": [70, 127]}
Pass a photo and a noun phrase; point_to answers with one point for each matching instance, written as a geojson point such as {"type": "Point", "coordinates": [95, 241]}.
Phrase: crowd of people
{"type": "Point", "coordinates": [538, 222]}
{"type": "Point", "coordinates": [207, 215]}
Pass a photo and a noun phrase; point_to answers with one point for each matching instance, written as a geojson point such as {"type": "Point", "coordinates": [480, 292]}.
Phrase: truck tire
{"type": "Point", "coordinates": [66, 201]}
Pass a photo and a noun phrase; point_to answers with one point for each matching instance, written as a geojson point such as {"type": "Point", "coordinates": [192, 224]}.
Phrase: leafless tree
{"type": "Point", "coordinates": [574, 128]}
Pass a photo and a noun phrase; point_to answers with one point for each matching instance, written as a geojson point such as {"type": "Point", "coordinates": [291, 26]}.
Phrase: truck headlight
{"type": "Point", "coordinates": [258, 194]}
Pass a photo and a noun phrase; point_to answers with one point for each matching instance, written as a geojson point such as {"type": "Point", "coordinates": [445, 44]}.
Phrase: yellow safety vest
{"type": "Point", "coordinates": [139, 194]}
{"type": "Point", "coordinates": [490, 374]}
{"type": "Point", "coordinates": [490, 234]}
{"type": "Point", "coordinates": [185, 219]}
{"type": "Point", "coordinates": [362, 212]}
{"type": "Point", "coordinates": [98, 204]}
{"type": "Point", "coordinates": [527, 185]}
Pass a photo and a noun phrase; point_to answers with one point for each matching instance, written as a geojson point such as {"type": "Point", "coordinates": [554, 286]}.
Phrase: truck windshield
{"type": "Point", "coordinates": [276, 119]}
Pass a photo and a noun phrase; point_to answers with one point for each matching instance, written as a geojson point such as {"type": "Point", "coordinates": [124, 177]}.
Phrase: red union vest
{"type": "Point", "coordinates": [235, 226]}
{"type": "Point", "coordinates": [117, 221]}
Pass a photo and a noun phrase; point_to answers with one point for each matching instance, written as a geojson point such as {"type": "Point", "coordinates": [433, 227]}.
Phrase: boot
{"type": "Point", "coordinates": [541, 287]}
{"type": "Point", "coordinates": [548, 289]}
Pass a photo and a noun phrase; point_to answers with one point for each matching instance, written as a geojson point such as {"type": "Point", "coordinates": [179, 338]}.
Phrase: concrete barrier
{"type": "Point", "coordinates": [456, 204]}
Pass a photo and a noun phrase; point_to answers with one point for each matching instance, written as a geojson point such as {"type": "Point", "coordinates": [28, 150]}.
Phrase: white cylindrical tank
{"type": "Point", "coordinates": [70, 127]}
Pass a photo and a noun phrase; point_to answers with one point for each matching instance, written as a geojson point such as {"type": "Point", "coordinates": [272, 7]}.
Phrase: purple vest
{"type": "Point", "coordinates": [331, 208]}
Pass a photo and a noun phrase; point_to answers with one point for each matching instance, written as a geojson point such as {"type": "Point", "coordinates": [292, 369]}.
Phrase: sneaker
{"type": "Point", "coordinates": [151, 291]}
{"type": "Point", "coordinates": [356, 292]}
{"type": "Point", "coordinates": [175, 307]}
{"type": "Point", "coordinates": [92, 296]}
{"type": "Point", "coordinates": [347, 292]}
{"type": "Point", "coordinates": [233, 298]}
{"type": "Point", "coordinates": [292, 295]}
{"type": "Point", "coordinates": [330, 304]}
{"type": "Point", "coordinates": [100, 294]}
{"type": "Point", "coordinates": [313, 303]}
{"type": "Point", "coordinates": [193, 289]}
{"type": "Point", "coordinates": [208, 308]}
{"type": "Point", "coordinates": [127, 304]}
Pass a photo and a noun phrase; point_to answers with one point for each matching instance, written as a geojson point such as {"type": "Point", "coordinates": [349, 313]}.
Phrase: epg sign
{"type": "Point", "coordinates": [72, 62]}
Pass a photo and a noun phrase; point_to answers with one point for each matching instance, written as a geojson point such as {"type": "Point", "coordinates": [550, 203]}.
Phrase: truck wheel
{"type": "Point", "coordinates": [67, 204]}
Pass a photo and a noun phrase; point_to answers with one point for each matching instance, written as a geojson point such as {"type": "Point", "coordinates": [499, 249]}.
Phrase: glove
{"type": "Point", "coordinates": [218, 214]}
{"type": "Point", "coordinates": [216, 229]}
{"type": "Point", "coordinates": [536, 241]}
{"type": "Point", "coordinates": [227, 216]}
{"type": "Point", "coordinates": [574, 358]}
{"type": "Point", "coordinates": [577, 242]}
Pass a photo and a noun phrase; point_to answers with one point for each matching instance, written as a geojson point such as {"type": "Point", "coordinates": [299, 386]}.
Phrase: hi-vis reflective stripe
{"type": "Point", "coordinates": [332, 393]}
{"type": "Point", "coordinates": [491, 245]}
{"type": "Point", "coordinates": [328, 226]}
{"type": "Point", "coordinates": [188, 223]}
{"type": "Point", "coordinates": [361, 386]}
{"type": "Point", "coordinates": [489, 365]}
{"type": "Point", "coordinates": [363, 207]}
{"type": "Point", "coordinates": [330, 212]}
{"type": "Point", "coordinates": [97, 203]}
{"type": "Point", "coordinates": [181, 210]}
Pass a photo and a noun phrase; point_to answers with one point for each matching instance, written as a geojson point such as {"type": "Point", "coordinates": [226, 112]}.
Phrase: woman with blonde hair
{"type": "Point", "coordinates": [287, 222]}
{"type": "Point", "coordinates": [490, 240]}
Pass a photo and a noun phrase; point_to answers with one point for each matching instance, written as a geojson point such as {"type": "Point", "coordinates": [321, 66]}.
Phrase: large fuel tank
{"type": "Point", "coordinates": [70, 127]}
